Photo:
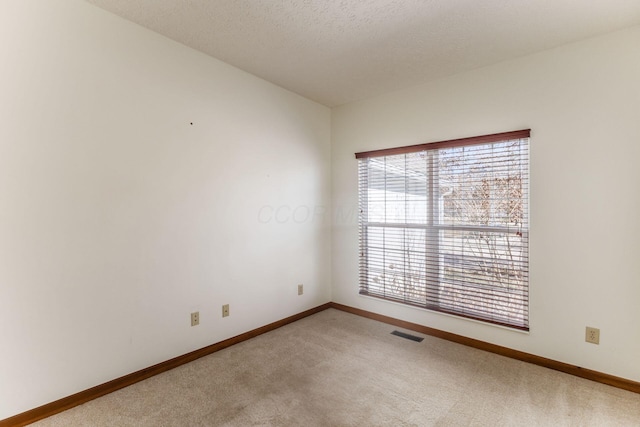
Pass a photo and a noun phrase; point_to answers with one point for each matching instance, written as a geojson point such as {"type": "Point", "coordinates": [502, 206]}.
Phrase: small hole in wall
{"type": "Point", "coordinates": [191, 123]}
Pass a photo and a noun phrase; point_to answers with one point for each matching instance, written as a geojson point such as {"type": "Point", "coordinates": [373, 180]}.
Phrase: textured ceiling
{"type": "Point", "coordinates": [337, 51]}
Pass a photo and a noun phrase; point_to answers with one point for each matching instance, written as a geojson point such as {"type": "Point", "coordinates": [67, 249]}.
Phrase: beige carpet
{"type": "Point", "coordinates": [338, 369]}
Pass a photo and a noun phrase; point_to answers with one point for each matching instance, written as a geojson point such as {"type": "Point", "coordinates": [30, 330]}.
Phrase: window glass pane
{"type": "Point", "coordinates": [484, 184]}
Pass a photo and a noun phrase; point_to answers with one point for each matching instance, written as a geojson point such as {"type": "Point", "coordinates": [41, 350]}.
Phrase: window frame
{"type": "Point", "coordinates": [434, 227]}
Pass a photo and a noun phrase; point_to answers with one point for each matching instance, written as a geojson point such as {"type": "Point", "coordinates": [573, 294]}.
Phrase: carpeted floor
{"type": "Point", "coordinates": [338, 369]}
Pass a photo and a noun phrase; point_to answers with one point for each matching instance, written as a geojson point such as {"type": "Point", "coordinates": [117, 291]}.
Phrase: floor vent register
{"type": "Point", "coordinates": [407, 336]}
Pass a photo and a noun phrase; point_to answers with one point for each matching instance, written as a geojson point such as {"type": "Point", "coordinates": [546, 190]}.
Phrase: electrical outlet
{"type": "Point", "coordinates": [195, 318]}
{"type": "Point", "coordinates": [300, 289]}
{"type": "Point", "coordinates": [592, 335]}
{"type": "Point", "coordinates": [225, 310]}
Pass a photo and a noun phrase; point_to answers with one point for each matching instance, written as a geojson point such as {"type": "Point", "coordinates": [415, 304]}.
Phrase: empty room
{"type": "Point", "coordinates": [319, 212]}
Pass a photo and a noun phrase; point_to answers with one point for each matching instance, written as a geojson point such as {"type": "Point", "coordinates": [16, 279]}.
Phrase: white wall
{"type": "Point", "coordinates": [118, 218]}
{"type": "Point", "coordinates": [582, 102]}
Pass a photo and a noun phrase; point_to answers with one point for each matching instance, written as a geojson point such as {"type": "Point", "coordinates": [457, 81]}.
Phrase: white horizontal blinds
{"type": "Point", "coordinates": [393, 219]}
{"type": "Point", "coordinates": [447, 228]}
{"type": "Point", "coordinates": [483, 231]}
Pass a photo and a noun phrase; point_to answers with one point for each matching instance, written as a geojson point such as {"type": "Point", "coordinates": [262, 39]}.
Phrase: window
{"type": "Point", "coordinates": [445, 226]}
